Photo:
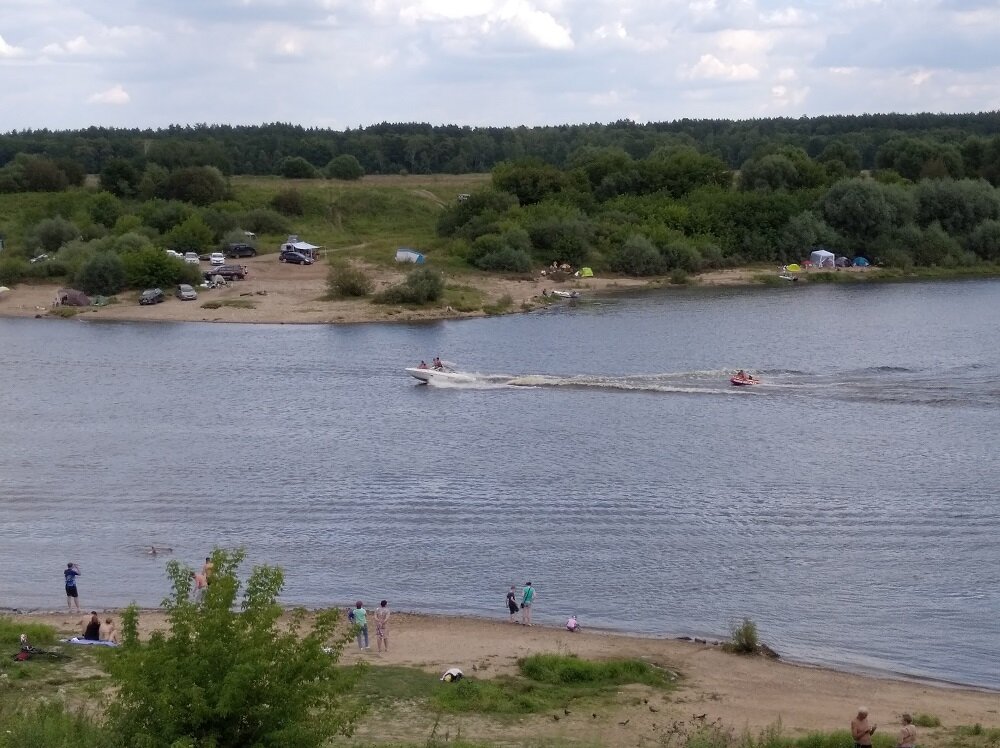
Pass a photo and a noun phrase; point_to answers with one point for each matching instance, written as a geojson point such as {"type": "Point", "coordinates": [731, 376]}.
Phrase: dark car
{"type": "Point", "coordinates": [240, 250]}
{"type": "Point", "coordinates": [296, 258]}
{"type": "Point", "coordinates": [151, 296]}
{"type": "Point", "coordinates": [230, 272]}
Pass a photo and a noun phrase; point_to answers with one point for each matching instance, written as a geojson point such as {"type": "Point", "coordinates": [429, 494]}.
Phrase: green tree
{"type": "Point", "coordinates": [489, 203]}
{"type": "Point", "coordinates": [296, 167]}
{"type": "Point", "coordinates": [230, 672]}
{"type": "Point", "coordinates": [802, 232]}
{"type": "Point", "coordinates": [678, 171]}
{"type": "Point", "coordinates": [120, 177]}
{"type": "Point", "coordinates": [421, 286]}
{"type": "Point", "coordinates": [531, 180]}
{"type": "Point", "coordinates": [958, 205]}
{"type": "Point", "coordinates": [105, 209]}
{"type": "Point", "coordinates": [163, 215]}
{"type": "Point", "coordinates": [264, 221]}
{"type": "Point", "coordinates": [154, 268]}
{"type": "Point", "coordinates": [104, 273]}
{"type": "Point", "coordinates": [40, 174]}
{"type": "Point", "coordinates": [51, 233]}
{"type": "Point", "coordinates": [860, 210]}
{"type": "Point", "coordinates": [289, 202]}
{"type": "Point", "coordinates": [201, 185]}
{"type": "Point", "coordinates": [784, 169]}
{"type": "Point", "coordinates": [637, 256]}
{"type": "Point", "coordinates": [345, 166]}
{"type": "Point", "coordinates": [985, 240]}
{"type": "Point", "coordinates": [191, 236]}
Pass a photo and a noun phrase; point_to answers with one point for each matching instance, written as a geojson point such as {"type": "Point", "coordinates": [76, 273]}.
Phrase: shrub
{"type": "Point", "coordinates": [344, 166]}
{"type": "Point", "coordinates": [637, 256]}
{"type": "Point", "coordinates": [105, 209]}
{"type": "Point", "coordinates": [52, 233]}
{"type": "Point", "coordinates": [230, 672]}
{"type": "Point", "coordinates": [163, 215]}
{"type": "Point", "coordinates": [154, 268]}
{"type": "Point", "coordinates": [201, 185]}
{"type": "Point", "coordinates": [12, 270]}
{"type": "Point", "coordinates": [505, 259]}
{"type": "Point", "coordinates": [296, 167]}
{"type": "Point", "coordinates": [191, 236]}
{"type": "Point", "coordinates": [680, 276]}
{"type": "Point", "coordinates": [421, 286]}
{"type": "Point", "coordinates": [348, 282]}
{"type": "Point", "coordinates": [103, 274]}
{"type": "Point", "coordinates": [289, 203]}
{"type": "Point", "coordinates": [926, 720]}
{"type": "Point", "coordinates": [743, 638]}
{"type": "Point", "coordinates": [264, 221]}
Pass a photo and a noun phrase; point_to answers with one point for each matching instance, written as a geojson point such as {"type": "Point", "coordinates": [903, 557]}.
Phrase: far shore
{"type": "Point", "coordinates": [275, 293]}
{"type": "Point", "coordinates": [744, 692]}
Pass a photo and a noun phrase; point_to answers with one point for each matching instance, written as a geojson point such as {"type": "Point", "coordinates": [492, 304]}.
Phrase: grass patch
{"type": "Point", "coordinates": [569, 670]}
{"type": "Point", "coordinates": [64, 312]}
{"type": "Point", "coordinates": [926, 720]}
{"type": "Point", "coordinates": [463, 298]}
{"type": "Point", "coordinates": [11, 630]}
{"type": "Point", "coordinates": [235, 303]}
{"type": "Point", "coordinates": [743, 638]}
{"type": "Point", "coordinates": [47, 725]}
{"type": "Point", "coordinates": [501, 305]}
{"type": "Point", "coordinates": [767, 279]}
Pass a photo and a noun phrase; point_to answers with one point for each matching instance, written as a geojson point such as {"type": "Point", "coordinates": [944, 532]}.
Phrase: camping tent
{"type": "Point", "coordinates": [860, 262]}
{"type": "Point", "coordinates": [71, 297]}
{"type": "Point", "coordinates": [409, 255]}
{"type": "Point", "coordinates": [821, 258]}
{"type": "Point", "coordinates": [843, 262]}
{"type": "Point", "coordinates": [793, 268]}
{"type": "Point", "coordinates": [586, 273]}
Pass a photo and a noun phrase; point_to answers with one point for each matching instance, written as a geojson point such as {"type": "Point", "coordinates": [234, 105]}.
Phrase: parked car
{"type": "Point", "coordinates": [191, 257]}
{"type": "Point", "coordinates": [296, 258]}
{"type": "Point", "coordinates": [151, 296]}
{"type": "Point", "coordinates": [186, 293]}
{"type": "Point", "coordinates": [229, 272]}
{"type": "Point", "coordinates": [240, 250]}
{"type": "Point", "coordinates": [217, 258]}
{"type": "Point", "coordinates": [178, 255]}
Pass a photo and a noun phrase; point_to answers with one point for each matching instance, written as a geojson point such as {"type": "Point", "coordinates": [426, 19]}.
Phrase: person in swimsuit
{"type": "Point", "coordinates": [512, 603]}
{"type": "Point", "coordinates": [382, 626]}
{"type": "Point", "coordinates": [861, 731]}
{"type": "Point", "coordinates": [908, 733]}
{"type": "Point", "coordinates": [423, 365]}
{"type": "Point", "coordinates": [108, 631]}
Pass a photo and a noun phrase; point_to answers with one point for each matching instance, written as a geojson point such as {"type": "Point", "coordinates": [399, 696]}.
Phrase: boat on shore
{"type": "Point", "coordinates": [565, 294]}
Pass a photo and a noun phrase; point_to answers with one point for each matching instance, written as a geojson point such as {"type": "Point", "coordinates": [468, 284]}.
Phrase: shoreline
{"type": "Point", "coordinates": [711, 643]}
{"type": "Point", "coordinates": [280, 294]}
{"type": "Point", "coordinates": [741, 692]}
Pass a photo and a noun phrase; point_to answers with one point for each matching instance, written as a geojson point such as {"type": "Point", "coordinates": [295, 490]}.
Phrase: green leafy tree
{"type": "Point", "coordinates": [531, 180]}
{"type": "Point", "coordinates": [154, 177]}
{"type": "Point", "coordinates": [264, 221]}
{"type": "Point", "coordinates": [105, 209]}
{"type": "Point", "coordinates": [120, 177]}
{"type": "Point", "coordinates": [637, 256]}
{"type": "Point", "coordinates": [860, 210]}
{"type": "Point", "coordinates": [154, 268]}
{"type": "Point", "coordinates": [51, 233]}
{"type": "Point", "coordinates": [345, 166]}
{"type": "Point", "coordinates": [229, 672]}
{"type": "Point", "coordinates": [40, 174]}
{"type": "Point", "coordinates": [985, 240]}
{"type": "Point", "coordinates": [678, 171]}
{"type": "Point", "coordinates": [489, 203]}
{"type": "Point", "coordinates": [201, 185]}
{"type": "Point", "coordinates": [163, 215]}
{"type": "Point", "coordinates": [191, 236]}
{"type": "Point", "coordinates": [958, 205]}
{"type": "Point", "coordinates": [289, 202]}
{"type": "Point", "coordinates": [802, 232]}
{"type": "Point", "coordinates": [296, 167]}
{"type": "Point", "coordinates": [104, 273]}
{"type": "Point", "coordinates": [784, 169]}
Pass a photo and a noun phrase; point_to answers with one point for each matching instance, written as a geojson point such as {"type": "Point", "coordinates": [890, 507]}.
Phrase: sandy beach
{"type": "Point", "coordinates": [743, 692]}
{"type": "Point", "coordinates": [293, 294]}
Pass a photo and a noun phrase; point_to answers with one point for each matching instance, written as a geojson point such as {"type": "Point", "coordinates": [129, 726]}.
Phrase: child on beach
{"type": "Point", "coordinates": [512, 603]}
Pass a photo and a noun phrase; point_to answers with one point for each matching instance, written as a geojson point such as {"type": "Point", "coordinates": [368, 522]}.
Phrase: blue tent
{"type": "Point", "coordinates": [860, 262]}
{"type": "Point", "coordinates": [409, 255]}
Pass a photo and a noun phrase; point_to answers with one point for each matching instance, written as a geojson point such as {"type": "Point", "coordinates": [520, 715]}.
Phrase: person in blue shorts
{"type": "Point", "coordinates": [70, 573]}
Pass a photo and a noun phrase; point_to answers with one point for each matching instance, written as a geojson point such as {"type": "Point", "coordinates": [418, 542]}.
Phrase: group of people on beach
{"type": "Point", "coordinates": [862, 731]}
{"type": "Point", "coordinates": [527, 600]}
{"type": "Point", "coordinates": [359, 617]}
{"type": "Point", "coordinates": [93, 630]}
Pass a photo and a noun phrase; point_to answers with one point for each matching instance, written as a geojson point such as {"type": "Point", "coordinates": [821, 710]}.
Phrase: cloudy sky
{"type": "Point", "coordinates": [345, 63]}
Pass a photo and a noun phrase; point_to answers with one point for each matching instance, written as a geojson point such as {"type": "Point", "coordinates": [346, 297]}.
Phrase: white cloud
{"type": "Point", "coordinates": [537, 25]}
{"type": "Point", "coordinates": [710, 67]}
{"type": "Point", "coordinates": [920, 77]}
{"type": "Point", "coordinates": [8, 50]}
{"type": "Point", "coordinates": [114, 95]}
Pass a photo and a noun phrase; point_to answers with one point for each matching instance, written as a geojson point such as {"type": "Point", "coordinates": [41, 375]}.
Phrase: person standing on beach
{"type": "Point", "coordinates": [72, 593]}
{"type": "Point", "coordinates": [527, 599]}
{"type": "Point", "coordinates": [207, 569]}
{"type": "Point", "coordinates": [382, 626]}
{"type": "Point", "coordinates": [861, 731]}
{"type": "Point", "coordinates": [361, 621]}
{"type": "Point", "coordinates": [512, 603]}
{"type": "Point", "coordinates": [200, 585]}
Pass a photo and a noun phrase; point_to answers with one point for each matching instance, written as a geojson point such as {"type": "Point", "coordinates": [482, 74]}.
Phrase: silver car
{"type": "Point", "coordinates": [186, 293]}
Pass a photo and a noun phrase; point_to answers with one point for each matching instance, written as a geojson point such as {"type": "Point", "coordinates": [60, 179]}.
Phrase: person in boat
{"type": "Point", "coordinates": [741, 374]}
{"type": "Point", "coordinates": [423, 365]}
{"type": "Point", "coordinates": [438, 366]}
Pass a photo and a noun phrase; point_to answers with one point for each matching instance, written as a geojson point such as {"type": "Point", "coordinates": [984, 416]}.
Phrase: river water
{"type": "Point", "coordinates": [848, 504]}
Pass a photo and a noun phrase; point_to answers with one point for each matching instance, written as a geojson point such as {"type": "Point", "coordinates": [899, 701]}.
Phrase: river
{"type": "Point", "coordinates": [848, 504]}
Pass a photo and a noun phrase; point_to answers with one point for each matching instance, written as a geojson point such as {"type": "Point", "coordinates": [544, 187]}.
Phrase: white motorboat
{"type": "Point", "coordinates": [439, 375]}
{"type": "Point", "coordinates": [565, 294]}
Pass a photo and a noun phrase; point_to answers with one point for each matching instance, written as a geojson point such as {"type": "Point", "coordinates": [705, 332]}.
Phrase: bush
{"type": "Point", "coordinates": [264, 221]}
{"type": "Point", "coordinates": [103, 274]}
{"type": "Point", "coordinates": [154, 268]}
{"type": "Point", "coordinates": [926, 720]}
{"type": "Point", "coordinates": [348, 282]}
{"type": "Point", "coordinates": [344, 166]}
{"type": "Point", "coordinates": [201, 185]}
{"type": "Point", "coordinates": [743, 639]}
{"type": "Point", "coordinates": [421, 286]}
{"type": "Point", "coordinates": [12, 270]}
{"type": "Point", "coordinates": [505, 259]}
{"type": "Point", "coordinates": [296, 167]}
{"type": "Point", "coordinates": [105, 209]}
{"type": "Point", "coordinates": [191, 236]}
{"type": "Point", "coordinates": [230, 672]}
{"type": "Point", "coordinates": [289, 203]}
{"type": "Point", "coordinates": [637, 256]}
{"type": "Point", "coordinates": [52, 233]}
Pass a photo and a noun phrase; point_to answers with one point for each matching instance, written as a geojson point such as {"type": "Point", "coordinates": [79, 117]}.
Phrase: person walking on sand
{"type": "Point", "coordinates": [70, 573]}
{"type": "Point", "coordinates": [908, 734]}
{"type": "Point", "coordinates": [382, 626]}
{"type": "Point", "coordinates": [527, 600]}
{"type": "Point", "coordinates": [861, 730]}
{"type": "Point", "coordinates": [512, 603]}
{"type": "Point", "coordinates": [361, 621]}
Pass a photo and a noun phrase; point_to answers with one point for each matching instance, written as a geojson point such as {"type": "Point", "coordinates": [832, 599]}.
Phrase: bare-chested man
{"type": "Point", "coordinates": [861, 731]}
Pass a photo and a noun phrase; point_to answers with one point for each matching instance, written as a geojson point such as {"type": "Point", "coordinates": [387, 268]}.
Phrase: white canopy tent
{"type": "Point", "coordinates": [821, 258]}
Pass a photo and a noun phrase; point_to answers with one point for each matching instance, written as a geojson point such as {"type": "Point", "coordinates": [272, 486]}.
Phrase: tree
{"type": "Point", "coordinates": [784, 169]}
{"type": "Point", "coordinates": [802, 232]}
{"type": "Point", "coordinates": [193, 235]}
{"type": "Point", "coordinates": [120, 177]}
{"type": "Point", "coordinates": [637, 256]}
{"type": "Point", "coordinates": [985, 240]}
{"type": "Point", "coordinates": [958, 206]}
{"type": "Point", "coordinates": [105, 209]}
{"type": "Point", "coordinates": [201, 185]}
{"type": "Point", "coordinates": [104, 274]}
{"type": "Point", "coordinates": [421, 286]}
{"type": "Point", "coordinates": [289, 202]}
{"type": "Point", "coordinates": [42, 175]}
{"type": "Point", "coordinates": [52, 233]}
{"type": "Point", "coordinates": [230, 673]}
{"type": "Point", "coordinates": [484, 203]}
{"type": "Point", "coordinates": [154, 268]}
{"type": "Point", "coordinates": [860, 210]}
{"type": "Point", "coordinates": [296, 167]}
{"type": "Point", "coordinates": [531, 180]}
{"type": "Point", "coordinates": [345, 166]}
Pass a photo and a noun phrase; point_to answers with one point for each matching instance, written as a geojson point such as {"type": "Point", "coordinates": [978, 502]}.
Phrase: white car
{"type": "Point", "coordinates": [178, 255]}
{"type": "Point", "coordinates": [191, 257]}
{"type": "Point", "coordinates": [217, 258]}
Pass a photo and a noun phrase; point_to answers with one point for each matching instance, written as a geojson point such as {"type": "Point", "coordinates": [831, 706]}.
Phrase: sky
{"type": "Point", "coordinates": [348, 63]}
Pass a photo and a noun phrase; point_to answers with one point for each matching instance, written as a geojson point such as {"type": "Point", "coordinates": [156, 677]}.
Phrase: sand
{"type": "Point", "coordinates": [741, 691]}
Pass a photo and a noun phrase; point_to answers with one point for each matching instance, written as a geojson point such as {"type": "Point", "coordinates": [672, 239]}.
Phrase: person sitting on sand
{"type": "Point", "coordinates": [908, 734]}
{"type": "Point", "coordinates": [93, 630]}
{"type": "Point", "coordinates": [108, 631]}
{"type": "Point", "coordinates": [861, 731]}
{"type": "Point", "coordinates": [572, 624]}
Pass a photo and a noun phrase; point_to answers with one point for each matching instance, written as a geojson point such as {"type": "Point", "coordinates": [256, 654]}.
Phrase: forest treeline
{"type": "Point", "coordinates": [960, 141]}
